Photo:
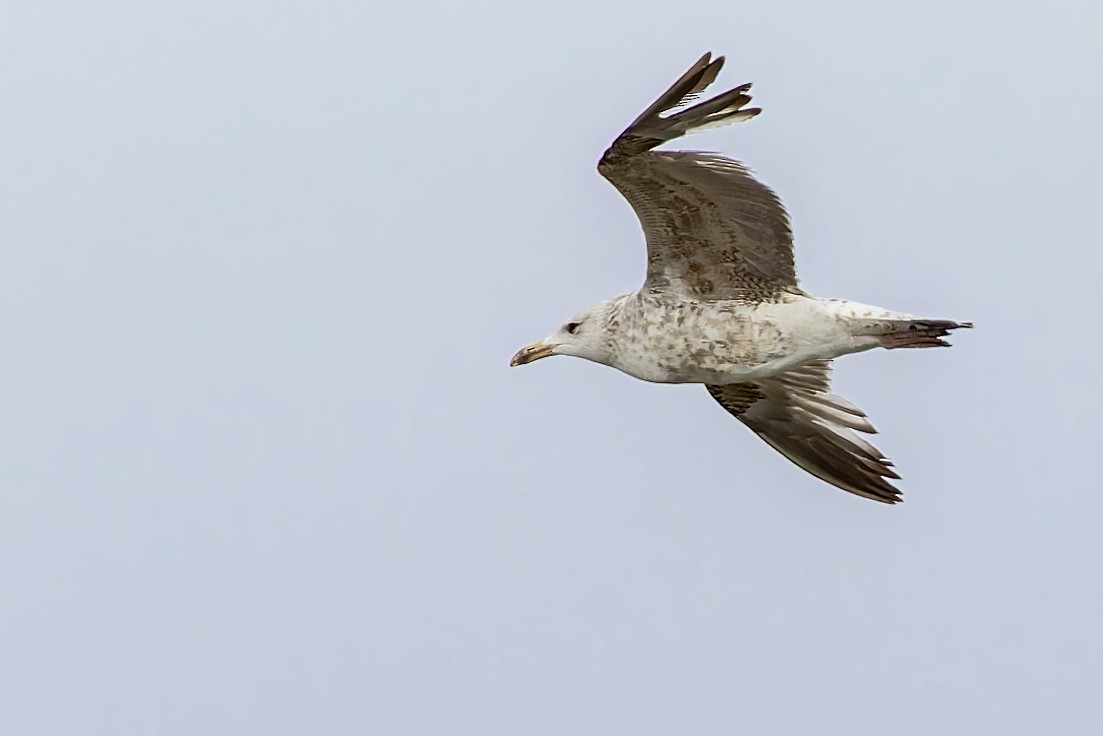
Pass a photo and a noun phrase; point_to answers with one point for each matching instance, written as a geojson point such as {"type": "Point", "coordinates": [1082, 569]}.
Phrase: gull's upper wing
{"type": "Point", "coordinates": [797, 416]}
{"type": "Point", "coordinates": [713, 230]}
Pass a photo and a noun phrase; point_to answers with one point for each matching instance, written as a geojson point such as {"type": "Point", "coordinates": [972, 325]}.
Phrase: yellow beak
{"type": "Point", "coordinates": [529, 353]}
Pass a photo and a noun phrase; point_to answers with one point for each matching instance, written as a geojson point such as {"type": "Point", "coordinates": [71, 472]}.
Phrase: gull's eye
{"type": "Point", "coordinates": [572, 327]}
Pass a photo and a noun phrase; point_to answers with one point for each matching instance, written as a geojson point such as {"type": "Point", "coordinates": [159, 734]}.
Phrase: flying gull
{"type": "Point", "coordinates": [721, 304]}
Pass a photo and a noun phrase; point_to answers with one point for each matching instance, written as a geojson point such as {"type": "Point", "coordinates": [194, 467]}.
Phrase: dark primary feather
{"type": "Point", "coordinates": [713, 231]}
{"type": "Point", "coordinates": [797, 416]}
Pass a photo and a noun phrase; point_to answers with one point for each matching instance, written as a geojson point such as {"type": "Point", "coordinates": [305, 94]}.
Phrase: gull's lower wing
{"type": "Point", "coordinates": [797, 416]}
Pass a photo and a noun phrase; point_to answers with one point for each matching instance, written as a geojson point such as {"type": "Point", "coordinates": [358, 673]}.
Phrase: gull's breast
{"type": "Point", "coordinates": [700, 342]}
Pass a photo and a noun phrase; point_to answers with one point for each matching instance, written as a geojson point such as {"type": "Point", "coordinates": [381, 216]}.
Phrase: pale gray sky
{"type": "Point", "coordinates": [266, 470]}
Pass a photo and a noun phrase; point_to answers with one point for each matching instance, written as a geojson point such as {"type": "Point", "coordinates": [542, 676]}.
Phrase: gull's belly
{"type": "Point", "coordinates": [729, 343]}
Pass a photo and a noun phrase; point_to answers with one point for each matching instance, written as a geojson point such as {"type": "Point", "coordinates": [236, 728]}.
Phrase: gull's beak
{"type": "Point", "coordinates": [529, 353]}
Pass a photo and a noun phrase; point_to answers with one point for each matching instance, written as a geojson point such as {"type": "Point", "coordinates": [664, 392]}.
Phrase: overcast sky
{"type": "Point", "coordinates": [265, 468]}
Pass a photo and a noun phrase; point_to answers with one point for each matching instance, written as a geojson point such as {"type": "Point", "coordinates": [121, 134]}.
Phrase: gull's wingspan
{"type": "Point", "coordinates": [797, 416]}
{"type": "Point", "coordinates": [713, 231]}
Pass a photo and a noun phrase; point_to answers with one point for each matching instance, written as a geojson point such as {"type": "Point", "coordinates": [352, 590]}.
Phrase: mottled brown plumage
{"type": "Point", "coordinates": [799, 418]}
{"type": "Point", "coordinates": [721, 304]}
{"type": "Point", "coordinates": [713, 230]}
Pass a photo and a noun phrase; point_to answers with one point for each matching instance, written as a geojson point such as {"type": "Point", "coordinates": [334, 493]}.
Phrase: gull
{"type": "Point", "coordinates": [721, 304]}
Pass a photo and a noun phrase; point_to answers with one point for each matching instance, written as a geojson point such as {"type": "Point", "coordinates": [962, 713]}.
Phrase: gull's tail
{"type": "Point", "coordinates": [919, 333]}
{"type": "Point", "coordinates": [653, 128]}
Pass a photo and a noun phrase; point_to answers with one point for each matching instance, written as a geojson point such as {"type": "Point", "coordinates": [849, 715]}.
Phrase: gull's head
{"type": "Point", "coordinates": [585, 335]}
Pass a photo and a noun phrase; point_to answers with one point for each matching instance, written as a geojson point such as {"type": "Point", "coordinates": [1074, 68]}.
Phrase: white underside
{"type": "Point", "coordinates": [733, 344]}
{"type": "Point", "coordinates": [825, 351]}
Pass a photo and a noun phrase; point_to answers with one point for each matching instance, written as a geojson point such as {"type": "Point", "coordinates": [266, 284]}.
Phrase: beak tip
{"type": "Point", "coordinates": [529, 353]}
